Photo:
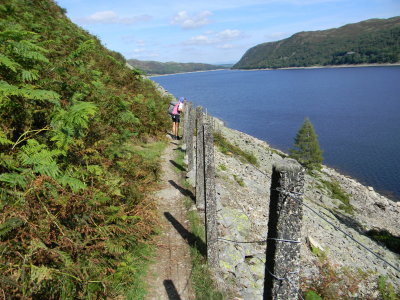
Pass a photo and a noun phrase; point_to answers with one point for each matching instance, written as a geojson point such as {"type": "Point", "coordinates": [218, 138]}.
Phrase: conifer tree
{"type": "Point", "coordinates": [306, 147]}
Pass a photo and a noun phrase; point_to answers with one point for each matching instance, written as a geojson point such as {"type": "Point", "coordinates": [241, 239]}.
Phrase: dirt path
{"type": "Point", "coordinates": [169, 276]}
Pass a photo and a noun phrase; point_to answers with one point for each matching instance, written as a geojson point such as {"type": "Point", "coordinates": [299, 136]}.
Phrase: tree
{"type": "Point", "coordinates": [306, 147]}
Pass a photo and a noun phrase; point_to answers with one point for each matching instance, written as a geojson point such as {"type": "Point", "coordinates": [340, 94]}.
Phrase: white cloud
{"type": "Point", "coordinates": [229, 34]}
{"type": "Point", "coordinates": [216, 38]}
{"type": "Point", "coordinates": [199, 40]}
{"type": "Point", "coordinates": [110, 17]}
{"type": "Point", "coordinates": [139, 50]}
{"type": "Point", "coordinates": [225, 46]}
{"type": "Point", "coordinates": [140, 43]}
{"type": "Point", "coordinates": [187, 21]}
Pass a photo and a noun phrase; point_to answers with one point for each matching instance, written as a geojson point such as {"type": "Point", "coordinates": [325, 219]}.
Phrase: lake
{"type": "Point", "coordinates": [355, 112]}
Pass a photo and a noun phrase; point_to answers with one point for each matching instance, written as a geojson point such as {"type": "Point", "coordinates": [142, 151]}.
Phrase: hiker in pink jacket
{"type": "Point", "coordinates": [176, 115]}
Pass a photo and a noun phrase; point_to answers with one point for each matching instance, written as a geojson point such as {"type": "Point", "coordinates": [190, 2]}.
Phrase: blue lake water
{"type": "Point", "coordinates": [355, 112]}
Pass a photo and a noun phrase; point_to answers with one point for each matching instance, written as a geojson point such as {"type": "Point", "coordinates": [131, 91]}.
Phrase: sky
{"type": "Point", "coordinates": [212, 31]}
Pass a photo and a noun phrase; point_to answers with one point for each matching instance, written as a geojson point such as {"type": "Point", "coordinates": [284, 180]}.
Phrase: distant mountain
{"type": "Point", "coordinates": [155, 67]}
{"type": "Point", "coordinates": [370, 41]}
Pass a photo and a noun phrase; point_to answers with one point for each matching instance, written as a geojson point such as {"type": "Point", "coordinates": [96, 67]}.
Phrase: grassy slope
{"type": "Point", "coordinates": [74, 181]}
{"type": "Point", "coordinates": [155, 67]}
{"type": "Point", "coordinates": [372, 41]}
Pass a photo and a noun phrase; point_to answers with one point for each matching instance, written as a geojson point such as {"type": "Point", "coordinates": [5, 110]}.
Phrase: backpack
{"type": "Point", "coordinates": [172, 106]}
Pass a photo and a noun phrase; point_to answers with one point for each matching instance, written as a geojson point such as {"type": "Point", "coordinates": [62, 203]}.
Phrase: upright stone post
{"type": "Point", "coordinates": [199, 159]}
{"type": "Point", "coordinates": [284, 231]}
{"type": "Point", "coordinates": [210, 197]}
{"type": "Point", "coordinates": [189, 141]}
{"type": "Point", "coordinates": [186, 121]}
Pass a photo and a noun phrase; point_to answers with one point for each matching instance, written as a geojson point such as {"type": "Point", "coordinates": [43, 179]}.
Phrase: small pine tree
{"type": "Point", "coordinates": [306, 147]}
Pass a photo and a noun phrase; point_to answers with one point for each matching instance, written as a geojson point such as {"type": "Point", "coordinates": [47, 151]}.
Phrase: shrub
{"type": "Point", "coordinates": [337, 192]}
{"type": "Point", "coordinates": [227, 148]}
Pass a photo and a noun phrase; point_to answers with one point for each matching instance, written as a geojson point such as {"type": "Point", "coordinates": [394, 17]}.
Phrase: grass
{"type": "Point", "coordinates": [139, 261]}
{"type": "Point", "coordinates": [386, 290]}
{"type": "Point", "coordinates": [179, 162]}
{"type": "Point", "coordinates": [201, 276]}
{"type": "Point", "coordinates": [239, 180]}
{"type": "Point", "coordinates": [152, 151]}
{"type": "Point", "coordinates": [322, 255]}
{"type": "Point", "coordinates": [338, 193]}
{"type": "Point", "coordinates": [222, 167]}
{"type": "Point", "coordinates": [311, 295]}
{"type": "Point", "coordinates": [228, 149]}
{"type": "Point", "coordinates": [281, 154]}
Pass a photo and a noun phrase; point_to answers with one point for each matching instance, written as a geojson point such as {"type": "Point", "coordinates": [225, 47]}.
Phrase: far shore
{"type": "Point", "coordinates": [326, 67]}
{"type": "Point", "coordinates": [287, 68]}
{"type": "Point", "coordinates": [201, 71]}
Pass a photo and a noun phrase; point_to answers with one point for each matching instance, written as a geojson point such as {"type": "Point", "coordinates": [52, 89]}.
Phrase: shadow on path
{"type": "Point", "coordinates": [192, 240]}
{"type": "Point", "coordinates": [180, 167]}
{"type": "Point", "coordinates": [179, 149]}
{"type": "Point", "coordinates": [171, 290]}
{"type": "Point", "coordinates": [183, 191]}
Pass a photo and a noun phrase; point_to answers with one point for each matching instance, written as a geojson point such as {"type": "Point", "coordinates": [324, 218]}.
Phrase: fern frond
{"type": "Point", "coordinates": [27, 76]}
{"type": "Point", "coordinates": [65, 257]}
{"type": "Point", "coordinates": [14, 179]}
{"type": "Point", "coordinates": [117, 62]}
{"type": "Point", "coordinates": [68, 124]}
{"type": "Point", "coordinates": [3, 139]}
{"type": "Point", "coordinates": [50, 169]}
{"type": "Point", "coordinates": [114, 248]}
{"type": "Point", "coordinates": [8, 161]}
{"type": "Point", "coordinates": [16, 33]}
{"type": "Point", "coordinates": [75, 184]}
{"type": "Point", "coordinates": [27, 92]}
{"type": "Point", "coordinates": [84, 47]}
{"type": "Point", "coordinates": [36, 244]}
{"type": "Point", "coordinates": [9, 225]}
{"type": "Point", "coordinates": [80, 113]}
{"type": "Point", "coordinates": [128, 117]}
{"type": "Point", "coordinates": [76, 117]}
{"type": "Point", "coordinates": [38, 274]}
{"type": "Point", "coordinates": [95, 169]}
{"type": "Point", "coordinates": [42, 95]}
{"type": "Point", "coordinates": [40, 157]}
{"type": "Point", "coordinates": [7, 89]}
{"type": "Point", "coordinates": [8, 63]}
{"type": "Point", "coordinates": [29, 51]}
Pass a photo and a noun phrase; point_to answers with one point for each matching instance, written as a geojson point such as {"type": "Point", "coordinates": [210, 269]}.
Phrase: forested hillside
{"type": "Point", "coordinates": [78, 137]}
{"type": "Point", "coordinates": [372, 41]}
{"type": "Point", "coordinates": [155, 67]}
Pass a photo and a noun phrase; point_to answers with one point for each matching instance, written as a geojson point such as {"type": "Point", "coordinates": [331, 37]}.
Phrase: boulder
{"type": "Point", "coordinates": [314, 244]}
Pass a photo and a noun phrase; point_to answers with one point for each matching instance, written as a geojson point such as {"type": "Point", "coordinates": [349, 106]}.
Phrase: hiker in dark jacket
{"type": "Point", "coordinates": [176, 116]}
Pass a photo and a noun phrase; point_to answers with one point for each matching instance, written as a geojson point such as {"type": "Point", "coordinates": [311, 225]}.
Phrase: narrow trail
{"type": "Point", "coordinates": [169, 275]}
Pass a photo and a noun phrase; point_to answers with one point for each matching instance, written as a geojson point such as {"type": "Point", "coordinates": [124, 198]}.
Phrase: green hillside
{"type": "Point", "coordinates": [76, 162]}
{"type": "Point", "coordinates": [372, 41]}
{"type": "Point", "coordinates": [159, 68]}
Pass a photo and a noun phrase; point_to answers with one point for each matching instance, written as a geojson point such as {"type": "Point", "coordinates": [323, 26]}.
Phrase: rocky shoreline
{"type": "Point", "coordinates": [243, 205]}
